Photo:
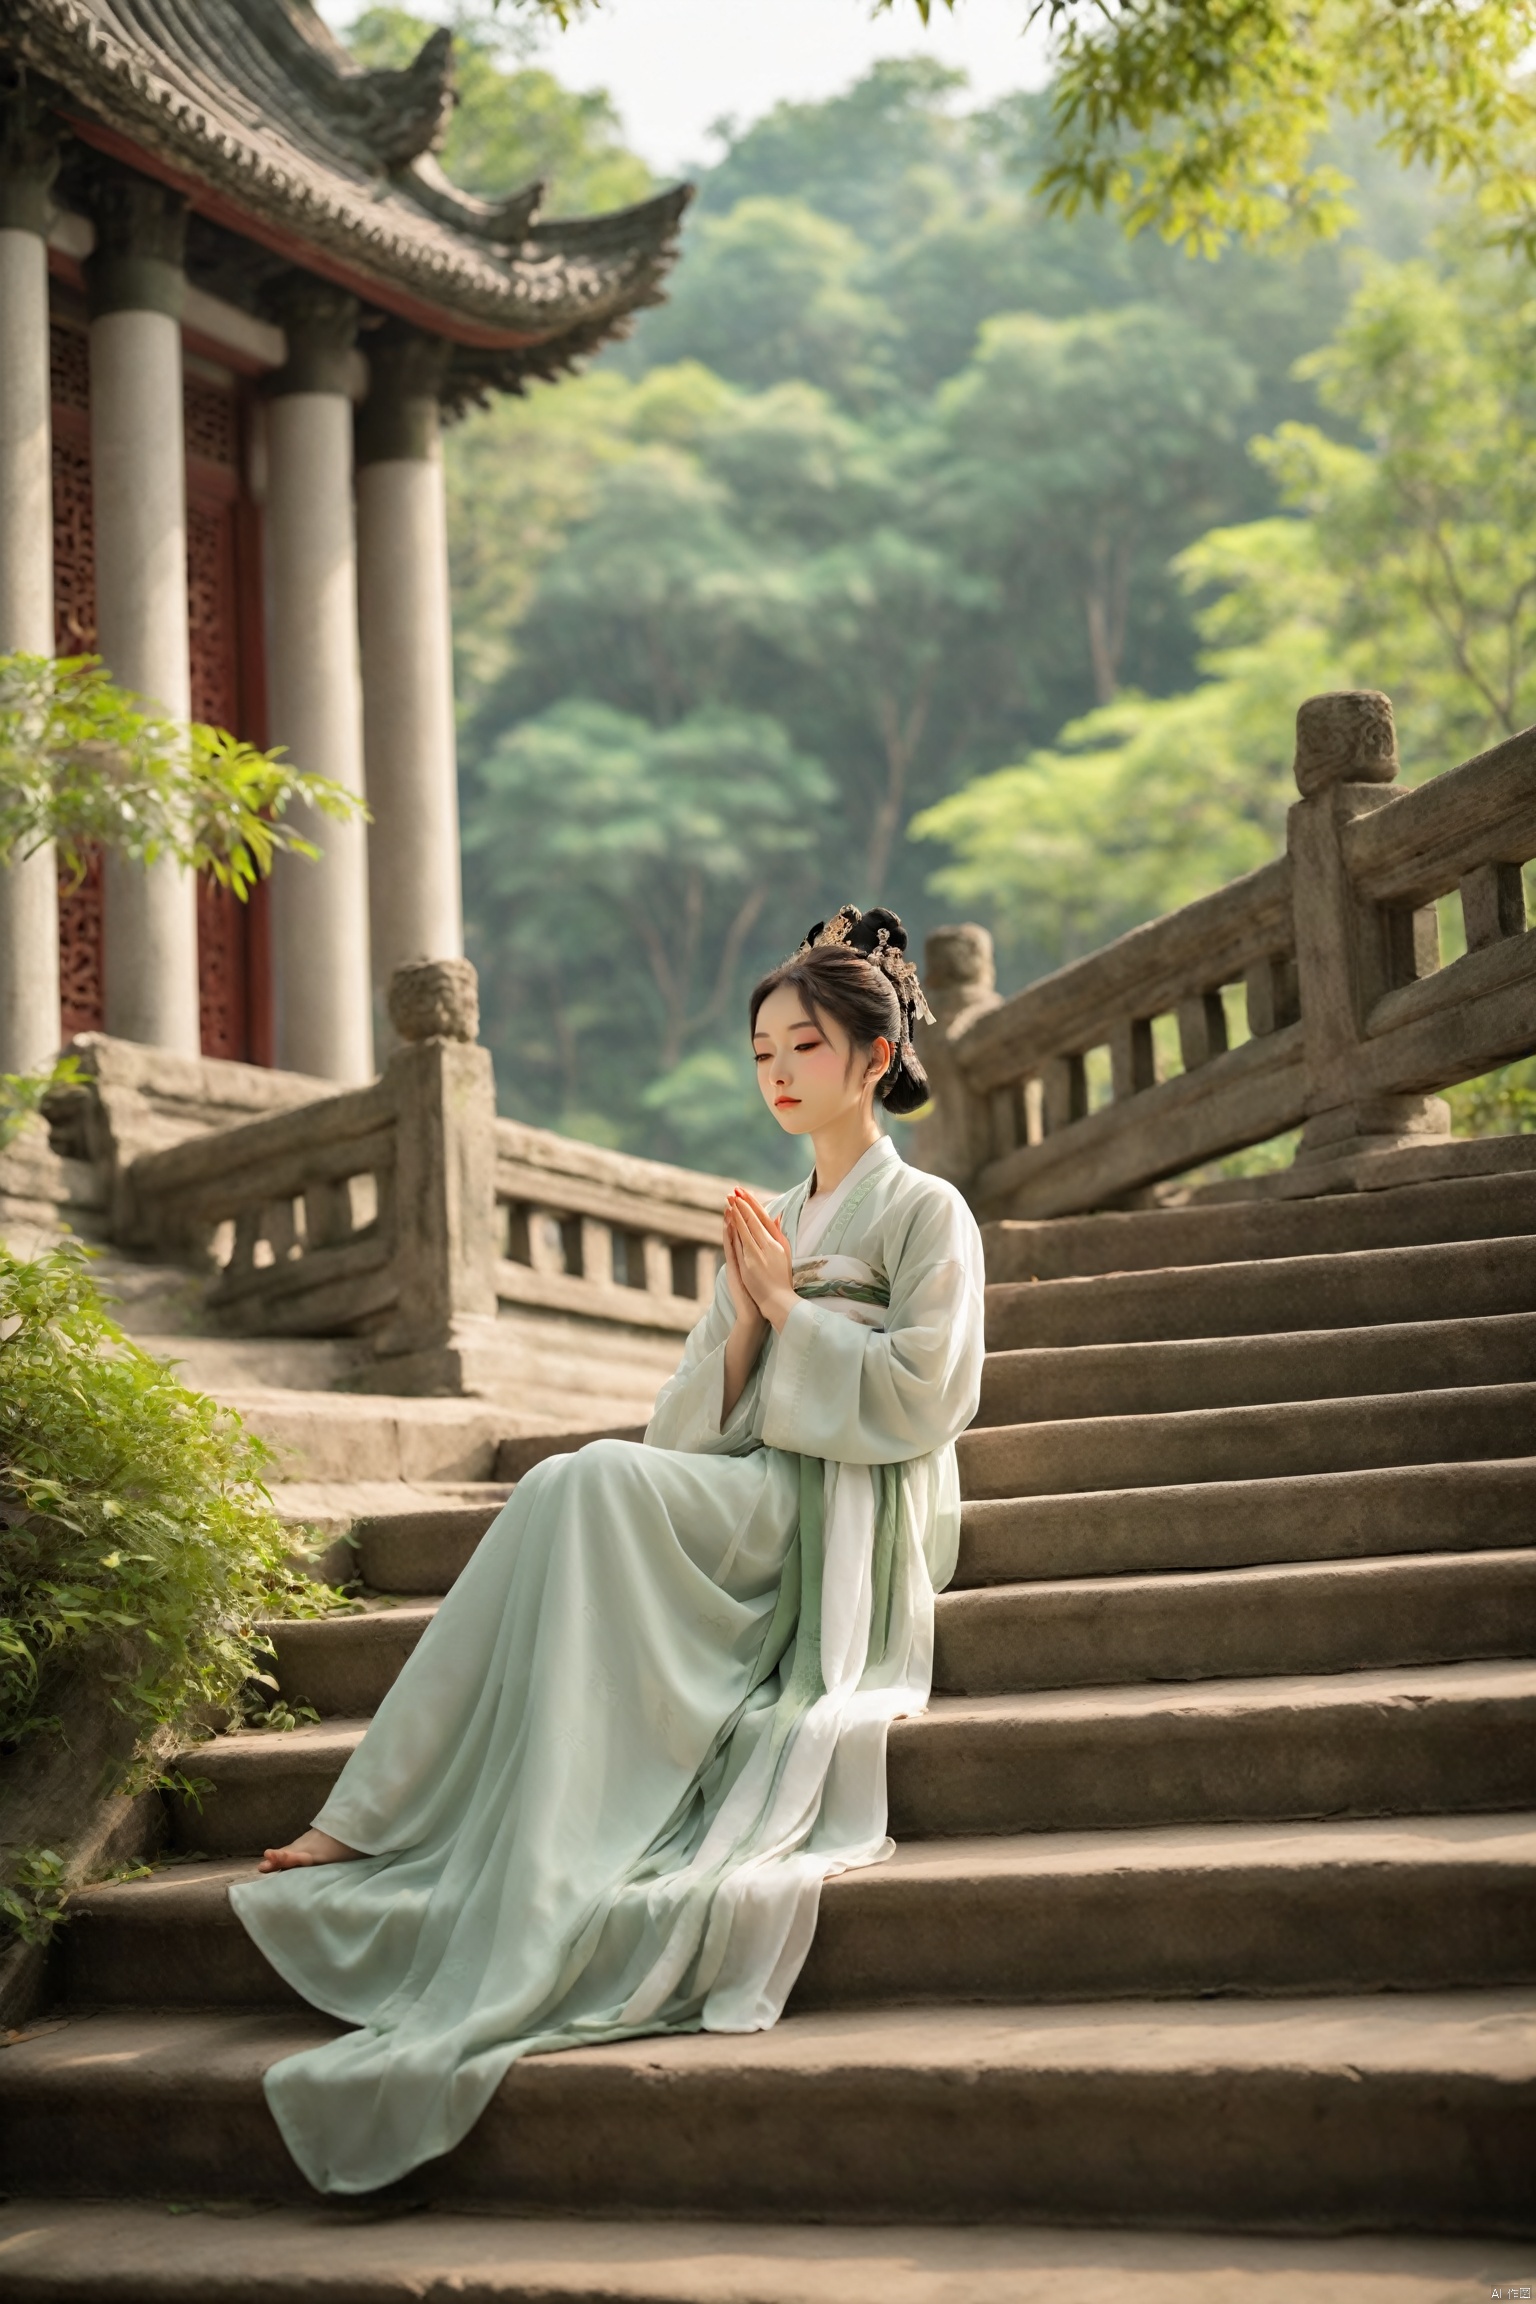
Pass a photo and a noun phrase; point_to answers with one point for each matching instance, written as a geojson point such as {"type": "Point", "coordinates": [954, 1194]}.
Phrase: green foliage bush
{"type": "Point", "coordinates": [138, 1542]}
{"type": "Point", "coordinates": [32, 1901]}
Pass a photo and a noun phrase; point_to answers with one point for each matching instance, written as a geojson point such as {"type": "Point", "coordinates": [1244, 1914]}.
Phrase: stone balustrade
{"type": "Point", "coordinates": [467, 1248]}
{"type": "Point", "coordinates": [601, 1234]}
{"type": "Point", "coordinates": [1308, 994]}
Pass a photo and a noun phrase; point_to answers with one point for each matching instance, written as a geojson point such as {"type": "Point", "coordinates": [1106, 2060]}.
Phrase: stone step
{"type": "Point", "coordinates": [1079, 1632]}
{"type": "Point", "coordinates": [1413, 2110]}
{"type": "Point", "coordinates": [520, 1454]}
{"type": "Point", "coordinates": [1459, 1423]}
{"type": "Point", "coordinates": [330, 1436]}
{"type": "Point", "coordinates": [339, 1507]}
{"type": "Point", "coordinates": [345, 1664]}
{"type": "Point", "coordinates": [1243, 1523]}
{"type": "Point", "coordinates": [1438, 1904]}
{"type": "Point", "coordinates": [421, 1551]}
{"type": "Point", "coordinates": [419, 1548]}
{"type": "Point", "coordinates": [1243, 1231]}
{"type": "Point", "coordinates": [1416, 1741]}
{"type": "Point", "coordinates": [1366, 1287]}
{"type": "Point", "coordinates": [132, 2252]}
{"type": "Point", "coordinates": [1236, 1623]}
{"type": "Point", "coordinates": [1420, 1740]}
{"type": "Point", "coordinates": [233, 1366]}
{"type": "Point", "coordinates": [1053, 1383]}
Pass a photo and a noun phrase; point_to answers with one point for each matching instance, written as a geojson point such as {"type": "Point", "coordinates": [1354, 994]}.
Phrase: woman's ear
{"type": "Point", "coordinates": [880, 1054]}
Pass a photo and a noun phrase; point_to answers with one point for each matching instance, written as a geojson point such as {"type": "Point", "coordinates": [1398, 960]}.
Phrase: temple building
{"type": "Point", "coordinates": [238, 295]}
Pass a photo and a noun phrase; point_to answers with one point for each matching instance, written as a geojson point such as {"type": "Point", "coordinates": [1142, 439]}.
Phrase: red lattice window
{"type": "Point", "coordinates": [81, 999]}
{"type": "Point", "coordinates": [212, 625]}
{"type": "Point", "coordinates": [74, 634]}
{"type": "Point", "coordinates": [213, 633]}
{"type": "Point", "coordinates": [211, 414]}
{"type": "Point", "coordinates": [222, 972]}
{"type": "Point", "coordinates": [69, 356]}
{"type": "Point", "coordinates": [74, 552]}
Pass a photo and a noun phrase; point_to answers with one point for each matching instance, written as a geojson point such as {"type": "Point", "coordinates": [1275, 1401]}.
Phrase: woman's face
{"type": "Point", "coordinates": [807, 1068]}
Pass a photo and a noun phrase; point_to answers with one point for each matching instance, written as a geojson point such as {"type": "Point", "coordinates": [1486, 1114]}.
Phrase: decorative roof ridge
{"type": "Point", "coordinates": [590, 235]}
{"type": "Point", "coordinates": [504, 223]}
{"type": "Point", "coordinates": [395, 112]}
{"type": "Point", "coordinates": [199, 96]}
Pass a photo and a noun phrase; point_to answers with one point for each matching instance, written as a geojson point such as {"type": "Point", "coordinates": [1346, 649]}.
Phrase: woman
{"type": "Point", "coordinates": [650, 1717]}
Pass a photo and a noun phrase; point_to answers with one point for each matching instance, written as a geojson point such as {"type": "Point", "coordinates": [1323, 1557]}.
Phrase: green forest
{"type": "Point", "coordinates": [928, 548]}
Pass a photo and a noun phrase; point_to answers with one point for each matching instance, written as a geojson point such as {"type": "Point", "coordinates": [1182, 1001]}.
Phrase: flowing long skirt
{"type": "Point", "coordinates": [542, 1799]}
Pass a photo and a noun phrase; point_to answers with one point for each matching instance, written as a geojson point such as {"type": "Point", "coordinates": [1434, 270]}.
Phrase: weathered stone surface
{"type": "Point", "coordinates": [1039, 1383]}
{"type": "Point", "coordinates": [121, 2253]}
{"type": "Point", "coordinates": [1419, 1904]}
{"type": "Point", "coordinates": [1347, 736]}
{"type": "Point", "coordinates": [1420, 2109]}
{"type": "Point", "coordinates": [435, 1000]}
{"type": "Point", "coordinates": [1267, 1296]}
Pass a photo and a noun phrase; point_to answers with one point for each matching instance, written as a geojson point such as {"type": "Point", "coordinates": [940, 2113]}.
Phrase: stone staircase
{"type": "Point", "coordinates": [1214, 1904]}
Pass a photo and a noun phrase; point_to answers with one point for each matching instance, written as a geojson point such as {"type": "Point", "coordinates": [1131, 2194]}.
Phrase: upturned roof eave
{"type": "Point", "coordinates": [578, 277]}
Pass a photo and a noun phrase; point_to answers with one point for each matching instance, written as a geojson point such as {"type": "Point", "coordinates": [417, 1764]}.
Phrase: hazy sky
{"type": "Point", "coordinates": [673, 67]}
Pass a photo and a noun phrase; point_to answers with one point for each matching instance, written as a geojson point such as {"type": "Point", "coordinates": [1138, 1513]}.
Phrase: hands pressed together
{"type": "Point", "coordinates": [759, 1265]}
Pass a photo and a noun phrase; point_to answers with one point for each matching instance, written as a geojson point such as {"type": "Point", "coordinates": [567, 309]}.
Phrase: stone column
{"type": "Point", "coordinates": [321, 992]}
{"type": "Point", "coordinates": [139, 493]}
{"type": "Point", "coordinates": [416, 910]}
{"type": "Point", "coordinates": [29, 902]}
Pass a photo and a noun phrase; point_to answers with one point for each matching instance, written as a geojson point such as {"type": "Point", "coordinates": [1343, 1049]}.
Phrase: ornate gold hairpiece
{"type": "Point", "coordinates": [893, 965]}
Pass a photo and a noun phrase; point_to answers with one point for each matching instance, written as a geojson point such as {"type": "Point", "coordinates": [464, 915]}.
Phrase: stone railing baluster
{"type": "Point", "coordinates": [658, 1256]}
{"type": "Point", "coordinates": [1492, 904]}
{"type": "Point", "coordinates": [1202, 1022]}
{"type": "Point", "coordinates": [597, 1252]}
{"type": "Point", "coordinates": [1132, 1063]}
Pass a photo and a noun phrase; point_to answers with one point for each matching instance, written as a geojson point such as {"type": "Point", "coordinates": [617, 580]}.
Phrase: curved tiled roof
{"type": "Point", "coordinates": [262, 117]}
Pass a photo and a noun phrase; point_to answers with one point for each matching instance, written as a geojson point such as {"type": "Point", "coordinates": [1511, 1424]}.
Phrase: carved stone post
{"type": "Point", "coordinates": [29, 900]}
{"type": "Point", "coordinates": [1349, 952]}
{"type": "Point", "coordinates": [960, 979]}
{"type": "Point", "coordinates": [444, 1184]}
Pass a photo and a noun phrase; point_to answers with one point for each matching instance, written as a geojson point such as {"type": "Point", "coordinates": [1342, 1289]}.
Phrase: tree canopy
{"type": "Point", "coordinates": [1211, 120]}
{"type": "Point", "coordinates": [920, 500]}
{"type": "Point", "coordinates": [1405, 559]}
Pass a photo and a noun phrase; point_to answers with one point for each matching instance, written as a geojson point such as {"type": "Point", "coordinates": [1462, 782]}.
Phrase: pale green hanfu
{"type": "Point", "coordinates": [651, 1715]}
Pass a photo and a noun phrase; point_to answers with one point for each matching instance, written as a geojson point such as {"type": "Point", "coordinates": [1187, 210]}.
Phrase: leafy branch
{"type": "Point", "coordinates": [23, 1093]}
{"type": "Point", "coordinates": [1203, 118]}
{"type": "Point", "coordinates": [87, 765]}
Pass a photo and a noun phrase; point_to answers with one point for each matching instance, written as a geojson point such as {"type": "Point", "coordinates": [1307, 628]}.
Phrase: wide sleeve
{"type": "Point", "coordinates": [687, 1411]}
{"type": "Point", "coordinates": [855, 1395]}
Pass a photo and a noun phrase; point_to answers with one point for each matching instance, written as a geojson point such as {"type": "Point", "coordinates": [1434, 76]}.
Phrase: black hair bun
{"type": "Point", "coordinates": [866, 930]}
{"type": "Point", "coordinates": [905, 1087]}
{"type": "Point", "coordinates": [860, 931]}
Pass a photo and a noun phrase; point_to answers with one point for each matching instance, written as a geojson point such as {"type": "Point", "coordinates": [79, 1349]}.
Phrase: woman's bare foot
{"type": "Point", "coordinates": [311, 1847]}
